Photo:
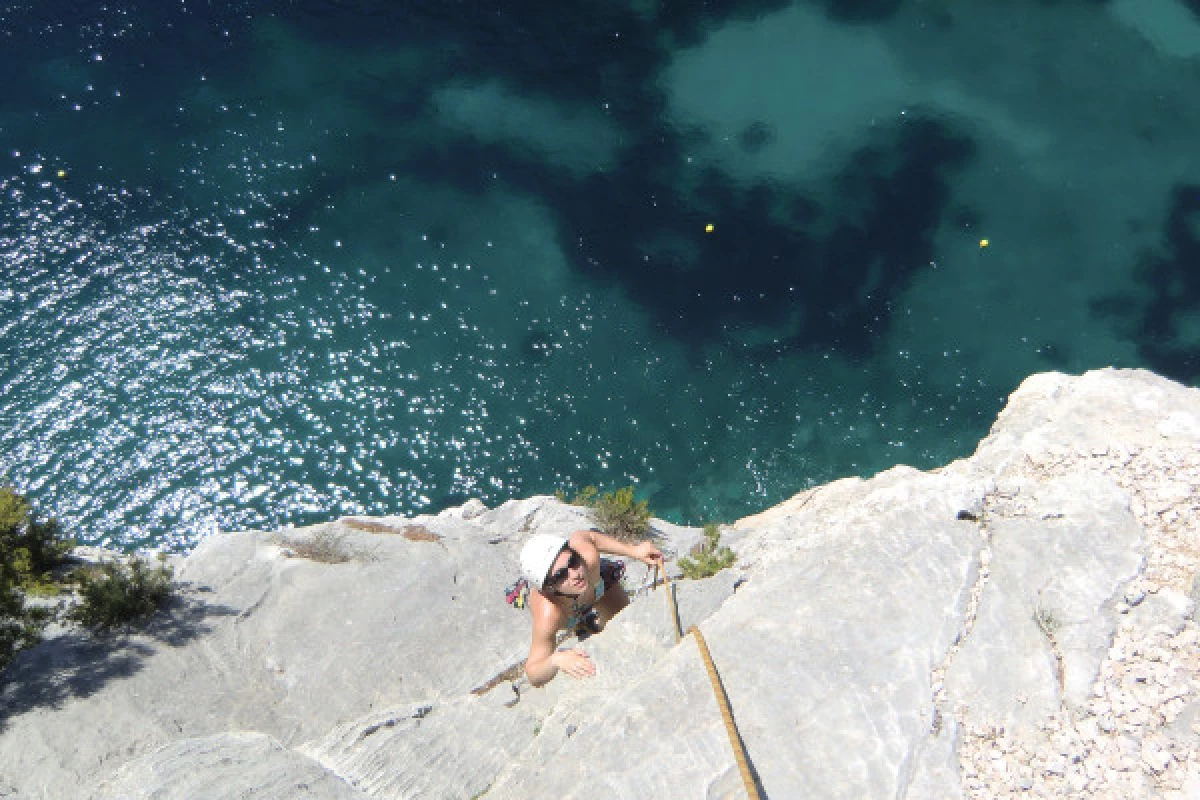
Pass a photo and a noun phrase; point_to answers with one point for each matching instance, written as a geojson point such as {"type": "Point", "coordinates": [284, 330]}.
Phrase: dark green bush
{"type": "Point", "coordinates": [584, 497]}
{"type": "Point", "coordinates": [20, 627]}
{"type": "Point", "coordinates": [114, 594]}
{"type": "Point", "coordinates": [29, 546]}
{"type": "Point", "coordinates": [616, 513]}
{"type": "Point", "coordinates": [621, 516]}
{"type": "Point", "coordinates": [709, 557]}
{"type": "Point", "coordinates": [29, 549]}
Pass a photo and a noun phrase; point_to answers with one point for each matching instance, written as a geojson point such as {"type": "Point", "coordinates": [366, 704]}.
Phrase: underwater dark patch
{"type": "Point", "coordinates": [755, 136]}
{"type": "Point", "coordinates": [689, 23]}
{"type": "Point", "coordinates": [158, 42]}
{"type": "Point", "coordinates": [762, 266]}
{"type": "Point", "coordinates": [859, 11]}
{"type": "Point", "coordinates": [1054, 355]}
{"type": "Point", "coordinates": [1173, 279]}
{"type": "Point", "coordinates": [571, 53]}
{"type": "Point", "coordinates": [642, 224]}
{"type": "Point", "coordinates": [965, 217]}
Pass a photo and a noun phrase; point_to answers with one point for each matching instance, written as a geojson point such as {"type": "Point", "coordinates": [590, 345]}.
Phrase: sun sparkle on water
{"type": "Point", "coordinates": [272, 265]}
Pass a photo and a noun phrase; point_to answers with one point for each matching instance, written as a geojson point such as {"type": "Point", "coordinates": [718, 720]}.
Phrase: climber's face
{"type": "Point", "coordinates": [568, 570]}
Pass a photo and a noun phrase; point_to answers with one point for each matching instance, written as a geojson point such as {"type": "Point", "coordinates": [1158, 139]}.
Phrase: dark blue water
{"type": "Point", "coordinates": [270, 263]}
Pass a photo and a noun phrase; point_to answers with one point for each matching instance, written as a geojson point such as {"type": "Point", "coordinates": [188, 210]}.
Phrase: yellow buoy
{"type": "Point", "coordinates": [983, 243]}
{"type": "Point", "coordinates": [62, 173]}
{"type": "Point", "coordinates": [709, 228]}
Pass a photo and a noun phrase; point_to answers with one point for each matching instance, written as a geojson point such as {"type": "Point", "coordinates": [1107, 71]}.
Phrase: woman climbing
{"type": "Point", "coordinates": [571, 587]}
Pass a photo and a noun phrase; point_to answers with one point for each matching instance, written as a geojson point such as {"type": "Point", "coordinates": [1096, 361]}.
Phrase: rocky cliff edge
{"type": "Point", "coordinates": [1016, 623]}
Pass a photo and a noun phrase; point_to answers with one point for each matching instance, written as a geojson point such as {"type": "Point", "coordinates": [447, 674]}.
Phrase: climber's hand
{"type": "Point", "coordinates": [574, 662]}
{"type": "Point", "coordinates": [648, 554]}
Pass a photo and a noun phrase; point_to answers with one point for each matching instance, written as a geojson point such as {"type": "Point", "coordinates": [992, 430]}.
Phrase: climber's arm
{"type": "Point", "coordinates": [544, 661]}
{"type": "Point", "coordinates": [645, 552]}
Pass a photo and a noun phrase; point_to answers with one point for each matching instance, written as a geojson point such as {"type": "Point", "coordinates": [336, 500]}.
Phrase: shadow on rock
{"type": "Point", "coordinates": [78, 663]}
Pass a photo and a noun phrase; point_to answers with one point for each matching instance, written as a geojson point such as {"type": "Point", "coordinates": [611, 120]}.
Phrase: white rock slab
{"type": "Point", "coordinates": [226, 766]}
{"type": "Point", "coordinates": [1046, 617]}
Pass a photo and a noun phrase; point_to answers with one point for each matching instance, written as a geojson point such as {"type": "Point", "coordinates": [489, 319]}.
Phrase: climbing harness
{"type": "Point", "coordinates": [735, 738]}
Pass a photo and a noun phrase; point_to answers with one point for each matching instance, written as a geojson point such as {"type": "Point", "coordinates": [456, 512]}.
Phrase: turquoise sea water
{"type": "Point", "coordinates": [270, 263]}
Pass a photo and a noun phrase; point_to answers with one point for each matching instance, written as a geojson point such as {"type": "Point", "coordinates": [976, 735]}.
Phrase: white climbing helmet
{"type": "Point", "coordinates": [537, 556]}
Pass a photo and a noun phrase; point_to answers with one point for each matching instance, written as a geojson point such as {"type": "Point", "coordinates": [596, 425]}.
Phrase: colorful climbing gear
{"type": "Point", "coordinates": [517, 593]}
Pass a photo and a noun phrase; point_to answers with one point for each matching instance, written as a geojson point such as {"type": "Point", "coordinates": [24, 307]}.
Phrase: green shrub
{"type": "Point", "coordinates": [114, 594]}
{"type": "Point", "coordinates": [584, 497]}
{"type": "Point", "coordinates": [621, 516]}
{"type": "Point", "coordinates": [20, 627]}
{"type": "Point", "coordinates": [709, 557]}
{"type": "Point", "coordinates": [616, 513]}
{"type": "Point", "coordinates": [29, 549]}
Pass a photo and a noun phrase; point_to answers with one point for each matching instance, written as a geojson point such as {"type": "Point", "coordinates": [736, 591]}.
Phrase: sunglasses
{"type": "Point", "coordinates": [560, 575]}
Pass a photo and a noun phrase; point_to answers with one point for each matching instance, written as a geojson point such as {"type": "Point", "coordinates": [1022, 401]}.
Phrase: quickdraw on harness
{"type": "Point", "coordinates": [517, 593]}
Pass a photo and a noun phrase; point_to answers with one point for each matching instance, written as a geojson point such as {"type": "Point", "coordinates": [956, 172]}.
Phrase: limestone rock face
{"type": "Point", "coordinates": [225, 765]}
{"type": "Point", "coordinates": [1019, 621]}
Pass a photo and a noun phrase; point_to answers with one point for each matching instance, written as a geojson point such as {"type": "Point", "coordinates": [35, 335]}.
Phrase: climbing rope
{"type": "Point", "coordinates": [735, 738]}
{"type": "Point", "coordinates": [666, 579]}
